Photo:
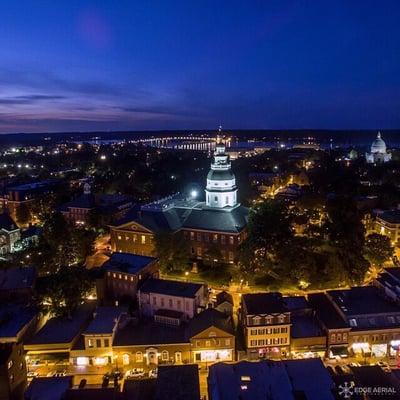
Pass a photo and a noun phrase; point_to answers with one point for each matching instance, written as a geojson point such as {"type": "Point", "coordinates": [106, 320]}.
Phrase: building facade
{"type": "Point", "coordinates": [265, 320]}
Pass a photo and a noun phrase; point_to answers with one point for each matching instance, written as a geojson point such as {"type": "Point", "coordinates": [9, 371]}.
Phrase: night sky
{"type": "Point", "coordinates": [74, 65]}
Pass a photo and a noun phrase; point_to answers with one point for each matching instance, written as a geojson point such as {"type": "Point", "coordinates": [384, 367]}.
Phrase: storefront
{"type": "Point", "coordinates": [379, 350]}
{"type": "Point", "coordinates": [361, 348]}
{"type": "Point", "coordinates": [213, 355]}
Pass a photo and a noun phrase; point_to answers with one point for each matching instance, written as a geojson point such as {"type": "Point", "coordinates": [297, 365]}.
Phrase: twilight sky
{"type": "Point", "coordinates": [74, 65]}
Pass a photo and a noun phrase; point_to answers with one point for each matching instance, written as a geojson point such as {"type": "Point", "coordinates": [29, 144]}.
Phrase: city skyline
{"type": "Point", "coordinates": [277, 65]}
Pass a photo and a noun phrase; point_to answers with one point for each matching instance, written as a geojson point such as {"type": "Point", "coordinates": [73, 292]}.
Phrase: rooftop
{"type": "Point", "coordinates": [264, 303]}
{"type": "Point", "coordinates": [326, 311]}
{"type": "Point", "coordinates": [129, 263]}
{"type": "Point", "coordinates": [17, 278]}
{"type": "Point", "coordinates": [13, 318]}
{"type": "Point", "coordinates": [48, 388]}
{"type": "Point", "coordinates": [148, 332]}
{"type": "Point", "coordinates": [7, 223]}
{"type": "Point", "coordinates": [178, 382]}
{"type": "Point", "coordinates": [171, 288]}
{"type": "Point", "coordinates": [105, 320]}
{"type": "Point", "coordinates": [365, 300]}
{"type": "Point", "coordinates": [208, 318]}
{"type": "Point", "coordinates": [275, 380]}
{"type": "Point", "coordinates": [390, 216]}
{"type": "Point", "coordinates": [64, 330]}
{"type": "Point", "coordinates": [175, 212]}
{"type": "Point", "coordinates": [304, 326]}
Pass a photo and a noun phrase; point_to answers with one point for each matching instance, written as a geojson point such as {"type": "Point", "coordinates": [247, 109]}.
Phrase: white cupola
{"type": "Point", "coordinates": [221, 190]}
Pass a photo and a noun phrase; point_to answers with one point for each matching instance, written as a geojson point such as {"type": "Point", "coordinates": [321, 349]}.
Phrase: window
{"type": "Point", "coordinates": [125, 359]}
{"type": "Point", "coordinates": [143, 239]}
{"type": "Point", "coordinates": [333, 338]}
{"type": "Point", "coordinates": [119, 237]}
{"type": "Point", "coordinates": [199, 237]}
{"type": "Point", "coordinates": [261, 332]}
{"type": "Point", "coordinates": [187, 305]}
{"type": "Point", "coordinates": [261, 342]}
{"type": "Point", "coordinates": [281, 319]}
{"type": "Point", "coordinates": [231, 240]}
{"type": "Point", "coordinates": [215, 237]}
{"type": "Point", "coordinates": [216, 198]}
{"type": "Point", "coordinates": [139, 357]}
{"type": "Point", "coordinates": [164, 355]}
{"type": "Point", "coordinates": [353, 322]}
{"type": "Point", "coordinates": [154, 301]}
{"type": "Point", "coordinates": [170, 303]}
{"type": "Point", "coordinates": [178, 304]}
{"type": "Point", "coordinates": [90, 343]}
{"type": "Point", "coordinates": [10, 364]}
{"type": "Point", "coordinates": [227, 342]}
{"type": "Point", "coordinates": [106, 342]}
{"type": "Point", "coordinates": [191, 235]}
{"type": "Point", "coordinates": [226, 200]}
{"type": "Point", "coordinates": [98, 343]}
{"type": "Point", "coordinates": [162, 301]}
{"type": "Point", "coordinates": [212, 334]}
{"type": "Point", "coordinates": [208, 343]}
{"type": "Point", "coordinates": [253, 342]}
{"type": "Point", "coordinates": [268, 320]}
{"type": "Point", "coordinates": [256, 320]}
{"type": "Point", "coordinates": [222, 239]}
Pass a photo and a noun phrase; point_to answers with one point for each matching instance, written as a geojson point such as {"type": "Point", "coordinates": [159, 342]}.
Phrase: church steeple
{"type": "Point", "coordinates": [221, 190]}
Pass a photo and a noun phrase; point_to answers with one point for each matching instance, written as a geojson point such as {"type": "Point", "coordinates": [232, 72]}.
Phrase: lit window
{"type": "Point", "coordinates": [143, 239]}
{"type": "Point", "coordinates": [90, 343]}
{"type": "Point", "coordinates": [245, 378]}
{"type": "Point", "coordinates": [125, 359]}
{"type": "Point", "coordinates": [10, 364]}
{"type": "Point", "coordinates": [119, 237]}
{"type": "Point", "coordinates": [164, 355]}
{"type": "Point", "coordinates": [139, 357]}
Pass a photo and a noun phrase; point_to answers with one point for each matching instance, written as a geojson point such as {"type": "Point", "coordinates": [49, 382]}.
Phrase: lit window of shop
{"type": "Point", "coordinates": [125, 359]}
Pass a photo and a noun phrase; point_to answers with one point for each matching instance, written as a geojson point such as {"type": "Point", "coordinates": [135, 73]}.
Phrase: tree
{"type": "Point", "coordinates": [23, 214]}
{"type": "Point", "coordinates": [213, 256]}
{"type": "Point", "coordinates": [63, 292]}
{"type": "Point", "coordinates": [269, 229]}
{"type": "Point", "coordinates": [378, 249]}
{"type": "Point", "coordinates": [172, 250]}
{"type": "Point", "coordinates": [347, 236]}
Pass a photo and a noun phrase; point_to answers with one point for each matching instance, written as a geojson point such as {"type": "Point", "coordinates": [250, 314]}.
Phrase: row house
{"type": "Point", "coordinates": [265, 321]}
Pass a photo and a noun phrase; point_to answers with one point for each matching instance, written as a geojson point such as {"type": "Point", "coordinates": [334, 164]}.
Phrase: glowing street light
{"type": "Point", "coordinates": [193, 194]}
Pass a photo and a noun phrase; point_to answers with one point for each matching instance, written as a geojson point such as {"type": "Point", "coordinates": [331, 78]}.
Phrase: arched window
{"type": "Point", "coordinates": [164, 355]}
{"type": "Point", "coordinates": [139, 357]}
{"type": "Point", "coordinates": [125, 359]}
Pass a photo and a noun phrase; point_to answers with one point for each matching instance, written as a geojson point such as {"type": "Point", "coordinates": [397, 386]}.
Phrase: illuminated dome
{"type": "Point", "coordinates": [378, 145]}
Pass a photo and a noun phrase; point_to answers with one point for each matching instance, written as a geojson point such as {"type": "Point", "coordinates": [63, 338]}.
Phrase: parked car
{"type": "Point", "coordinates": [113, 375]}
{"type": "Point", "coordinates": [135, 373]}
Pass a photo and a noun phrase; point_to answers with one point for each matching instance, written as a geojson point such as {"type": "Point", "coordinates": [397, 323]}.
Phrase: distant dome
{"type": "Point", "coordinates": [378, 145]}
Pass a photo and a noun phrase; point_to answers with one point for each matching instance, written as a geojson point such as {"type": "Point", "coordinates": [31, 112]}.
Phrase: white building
{"type": "Point", "coordinates": [378, 152]}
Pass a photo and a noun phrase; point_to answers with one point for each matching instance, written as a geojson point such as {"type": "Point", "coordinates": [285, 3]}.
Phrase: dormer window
{"type": "Point", "coordinates": [256, 320]}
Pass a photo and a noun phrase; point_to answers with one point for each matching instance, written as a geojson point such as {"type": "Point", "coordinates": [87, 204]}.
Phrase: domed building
{"type": "Point", "coordinates": [378, 152]}
{"type": "Point", "coordinates": [219, 222]}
